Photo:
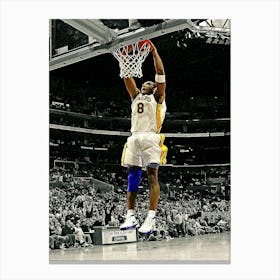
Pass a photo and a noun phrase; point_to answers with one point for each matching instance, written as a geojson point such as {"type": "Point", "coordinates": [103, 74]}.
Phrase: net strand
{"type": "Point", "coordinates": [130, 61]}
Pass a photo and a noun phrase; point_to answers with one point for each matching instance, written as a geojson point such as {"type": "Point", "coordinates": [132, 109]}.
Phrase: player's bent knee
{"type": "Point", "coordinates": [134, 178]}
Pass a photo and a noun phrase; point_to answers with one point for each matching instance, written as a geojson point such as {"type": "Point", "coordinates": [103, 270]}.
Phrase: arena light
{"type": "Point", "coordinates": [101, 149]}
{"type": "Point", "coordinates": [54, 144]}
{"type": "Point", "coordinates": [184, 151]}
{"type": "Point", "coordinates": [86, 148]}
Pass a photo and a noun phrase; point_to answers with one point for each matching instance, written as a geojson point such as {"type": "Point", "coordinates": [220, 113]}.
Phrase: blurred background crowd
{"type": "Point", "coordinates": [186, 208]}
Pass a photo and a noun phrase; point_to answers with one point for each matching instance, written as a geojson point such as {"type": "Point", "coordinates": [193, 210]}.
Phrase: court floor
{"type": "Point", "coordinates": [213, 248]}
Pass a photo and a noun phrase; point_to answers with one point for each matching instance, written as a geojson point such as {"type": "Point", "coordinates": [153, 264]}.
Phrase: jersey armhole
{"type": "Point", "coordinates": [137, 92]}
{"type": "Point", "coordinates": [156, 98]}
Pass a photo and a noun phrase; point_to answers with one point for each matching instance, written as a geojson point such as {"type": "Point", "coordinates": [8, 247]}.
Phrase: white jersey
{"type": "Point", "coordinates": [147, 115]}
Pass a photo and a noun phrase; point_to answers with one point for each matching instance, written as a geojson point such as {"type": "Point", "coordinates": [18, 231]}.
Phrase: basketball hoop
{"type": "Point", "coordinates": [131, 57]}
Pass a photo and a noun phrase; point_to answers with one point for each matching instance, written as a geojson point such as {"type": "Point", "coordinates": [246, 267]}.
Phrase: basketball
{"type": "Point", "coordinates": [148, 42]}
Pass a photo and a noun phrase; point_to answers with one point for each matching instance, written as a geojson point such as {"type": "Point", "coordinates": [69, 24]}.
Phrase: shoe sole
{"type": "Point", "coordinates": [148, 233]}
{"type": "Point", "coordinates": [128, 227]}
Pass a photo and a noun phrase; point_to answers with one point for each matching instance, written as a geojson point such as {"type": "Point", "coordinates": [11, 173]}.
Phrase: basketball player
{"type": "Point", "coordinates": [144, 148]}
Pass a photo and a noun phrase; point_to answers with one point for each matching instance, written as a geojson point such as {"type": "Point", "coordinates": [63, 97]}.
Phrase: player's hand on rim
{"type": "Point", "coordinates": [152, 46]}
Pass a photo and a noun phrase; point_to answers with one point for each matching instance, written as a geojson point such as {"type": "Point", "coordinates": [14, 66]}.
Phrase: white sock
{"type": "Point", "coordinates": [151, 213]}
{"type": "Point", "coordinates": [130, 212]}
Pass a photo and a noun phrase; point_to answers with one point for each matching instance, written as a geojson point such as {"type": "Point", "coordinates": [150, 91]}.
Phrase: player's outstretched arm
{"type": "Point", "coordinates": [160, 74]}
{"type": "Point", "coordinates": [131, 87]}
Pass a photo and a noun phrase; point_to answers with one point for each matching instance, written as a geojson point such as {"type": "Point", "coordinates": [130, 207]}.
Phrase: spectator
{"type": "Point", "coordinates": [56, 240]}
{"type": "Point", "coordinates": [179, 223]}
{"type": "Point", "coordinates": [191, 213]}
{"type": "Point", "coordinates": [68, 231]}
{"type": "Point", "coordinates": [190, 227]}
{"type": "Point", "coordinates": [80, 236]}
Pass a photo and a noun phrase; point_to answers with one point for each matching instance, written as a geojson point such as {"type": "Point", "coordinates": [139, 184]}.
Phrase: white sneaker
{"type": "Point", "coordinates": [130, 222]}
{"type": "Point", "coordinates": [148, 225]}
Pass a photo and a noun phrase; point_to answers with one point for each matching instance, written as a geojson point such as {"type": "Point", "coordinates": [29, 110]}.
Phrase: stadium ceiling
{"type": "Point", "coordinates": [107, 35]}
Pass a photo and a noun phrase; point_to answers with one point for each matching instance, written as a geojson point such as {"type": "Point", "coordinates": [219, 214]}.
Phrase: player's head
{"type": "Point", "coordinates": [148, 87]}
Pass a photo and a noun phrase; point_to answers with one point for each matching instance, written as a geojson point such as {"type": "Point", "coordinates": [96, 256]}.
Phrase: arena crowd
{"type": "Point", "coordinates": [75, 208]}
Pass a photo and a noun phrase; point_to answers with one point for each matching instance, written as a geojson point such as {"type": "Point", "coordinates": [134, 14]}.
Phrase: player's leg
{"type": "Point", "coordinates": [134, 179]}
{"type": "Point", "coordinates": [131, 160]}
{"type": "Point", "coordinates": [152, 173]}
{"type": "Point", "coordinates": [149, 224]}
{"type": "Point", "coordinates": [153, 156]}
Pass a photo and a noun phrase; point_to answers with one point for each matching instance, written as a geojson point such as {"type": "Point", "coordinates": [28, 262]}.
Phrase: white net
{"type": "Point", "coordinates": [131, 58]}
